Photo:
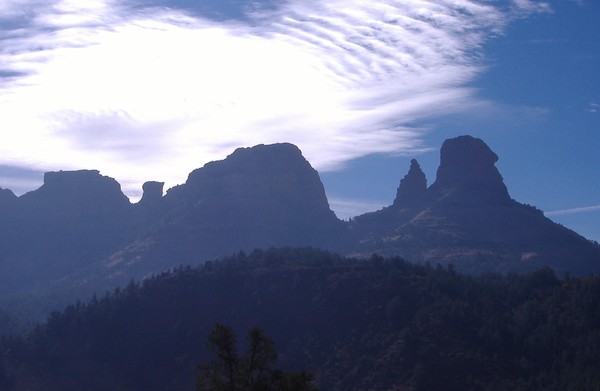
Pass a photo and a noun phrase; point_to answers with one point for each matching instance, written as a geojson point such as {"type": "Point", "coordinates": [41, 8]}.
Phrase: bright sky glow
{"type": "Point", "coordinates": [152, 89]}
{"type": "Point", "coordinates": [152, 93]}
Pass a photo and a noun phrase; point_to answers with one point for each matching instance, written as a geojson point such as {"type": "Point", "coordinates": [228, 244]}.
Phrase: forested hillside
{"type": "Point", "coordinates": [377, 324]}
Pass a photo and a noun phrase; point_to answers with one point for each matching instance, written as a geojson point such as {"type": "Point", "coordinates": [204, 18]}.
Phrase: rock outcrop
{"type": "Point", "coordinates": [73, 193]}
{"type": "Point", "coordinates": [264, 177]}
{"type": "Point", "coordinates": [152, 193]}
{"type": "Point", "coordinates": [467, 174]}
{"type": "Point", "coordinates": [412, 188]}
{"type": "Point", "coordinates": [263, 196]}
{"type": "Point", "coordinates": [467, 218]}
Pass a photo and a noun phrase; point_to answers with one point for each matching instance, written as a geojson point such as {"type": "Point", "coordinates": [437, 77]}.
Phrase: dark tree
{"type": "Point", "coordinates": [222, 373]}
{"type": "Point", "coordinates": [251, 372]}
{"type": "Point", "coordinates": [259, 358]}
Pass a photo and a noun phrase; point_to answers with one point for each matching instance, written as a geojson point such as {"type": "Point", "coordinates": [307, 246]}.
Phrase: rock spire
{"type": "Point", "coordinates": [153, 192]}
{"type": "Point", "coordinates": [412, 187]}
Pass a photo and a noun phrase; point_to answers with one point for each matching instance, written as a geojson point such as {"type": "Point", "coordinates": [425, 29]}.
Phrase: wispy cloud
{"type": "Point", "coordinates": [573, 211]}
{"type": "Point", "coordinates": [532, 6]}
{"type": "Point", "coordinates": [146, 93]}
{"type": "Point", "coordinates": [347, 208]}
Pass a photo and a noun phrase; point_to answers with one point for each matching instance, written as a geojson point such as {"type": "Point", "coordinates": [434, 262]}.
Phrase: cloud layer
{"type": "Point", "coordinates": [150, 93]}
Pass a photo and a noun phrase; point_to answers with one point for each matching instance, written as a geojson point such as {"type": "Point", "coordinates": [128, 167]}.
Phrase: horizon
{"type": "Point", "coordinates": [150, 90]}
{"type": "Point", "coordinates": [344, 211]}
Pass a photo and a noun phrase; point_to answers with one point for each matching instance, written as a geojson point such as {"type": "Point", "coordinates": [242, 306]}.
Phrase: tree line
{"type": "Point", "coordinates": [378, 323]}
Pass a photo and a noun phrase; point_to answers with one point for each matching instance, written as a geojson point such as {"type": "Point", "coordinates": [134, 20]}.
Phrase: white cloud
{"type": "Point", "coordinates": [532, 6]}
{"type": "Point", "coordinates": [573, 211]}
{"type": "Point", "coordinates": [150, 94]}
{"type": "Point", "coordinates": [10, 9]}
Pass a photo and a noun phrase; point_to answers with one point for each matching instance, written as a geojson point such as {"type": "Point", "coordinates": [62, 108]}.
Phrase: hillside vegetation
{"type": "Point", "coordinates": [380, 324]}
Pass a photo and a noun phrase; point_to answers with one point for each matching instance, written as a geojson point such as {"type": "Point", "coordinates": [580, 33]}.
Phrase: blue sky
{"type": "Point", "coordinates": [150, 90]}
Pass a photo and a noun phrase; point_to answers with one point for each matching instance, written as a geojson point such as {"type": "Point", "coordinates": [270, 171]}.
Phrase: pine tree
{"type": "Point", "coordinates": [251, 372]}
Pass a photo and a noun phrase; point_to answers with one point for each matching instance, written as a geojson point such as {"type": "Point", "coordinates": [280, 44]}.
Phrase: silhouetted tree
{"type": "Point", "coordinates": [251, 372]}
{"type": "Point", "coordinates": [222, 373]}
{"type": "Point", "coordinates": [259, 357]}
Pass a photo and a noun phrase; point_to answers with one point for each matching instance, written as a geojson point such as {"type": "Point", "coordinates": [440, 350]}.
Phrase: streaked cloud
{"type": "Point", "coordinates": [150, 93]}
{"type": "Point", "coordinates": [532, 6]}
{"type": "Point", "coordinates": [572, 211]}
{"type": "Point", "coordinates": [347, 208]}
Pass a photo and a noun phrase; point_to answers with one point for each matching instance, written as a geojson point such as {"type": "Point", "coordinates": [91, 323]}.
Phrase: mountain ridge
{"type": "Point", "coordinates": [467, 218]}
{"type": "Point", "coordinates": [79, 233]}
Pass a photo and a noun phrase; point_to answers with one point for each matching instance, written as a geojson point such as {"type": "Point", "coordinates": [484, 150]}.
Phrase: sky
{"type": "Point", "coordinates": [150, 90]}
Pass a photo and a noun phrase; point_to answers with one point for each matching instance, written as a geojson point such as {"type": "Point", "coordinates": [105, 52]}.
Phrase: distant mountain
{"type": "Point", "coordinates": [467, 218]}
{"type": "Point", "coordinates": [74, 218]}
{"type": "Point", "coordinates": [375, 324]}
{"type": "Point", "coordinates": [258, 197]}
{"type": "Point", "coordinates": [79, 234]}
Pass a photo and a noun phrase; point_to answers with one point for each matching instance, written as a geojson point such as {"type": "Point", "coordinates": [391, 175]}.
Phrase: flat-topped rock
{"type": "Point", "coordinates": [467, 173]}
{"type": "Point", "coordinates": [152, 193]}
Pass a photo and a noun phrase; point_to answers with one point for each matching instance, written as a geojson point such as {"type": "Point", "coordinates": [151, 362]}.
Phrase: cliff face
{"type": "Point", "coordinates": [74, 194]}
{"type": "Point", "coordinates": [152, 193]}
{"type": "Point", "coordinates": [79, 226]}
{"type": "Point", "coordinates": [265, 181]}
{"type": "Point", "coordinates": [258, 197]}
{"type": "Point", "coordinates": [467, 174]}
{"type": "Point", "coordinates": [74, 219]}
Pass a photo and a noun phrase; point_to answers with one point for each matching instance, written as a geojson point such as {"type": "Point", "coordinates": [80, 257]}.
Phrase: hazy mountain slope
{"type": "Point", "coordinates": [74, 219]}
{"type": "Point", "coordinates": [466, 217]}
{"type": "Point", "coordinates": [78, 233]}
